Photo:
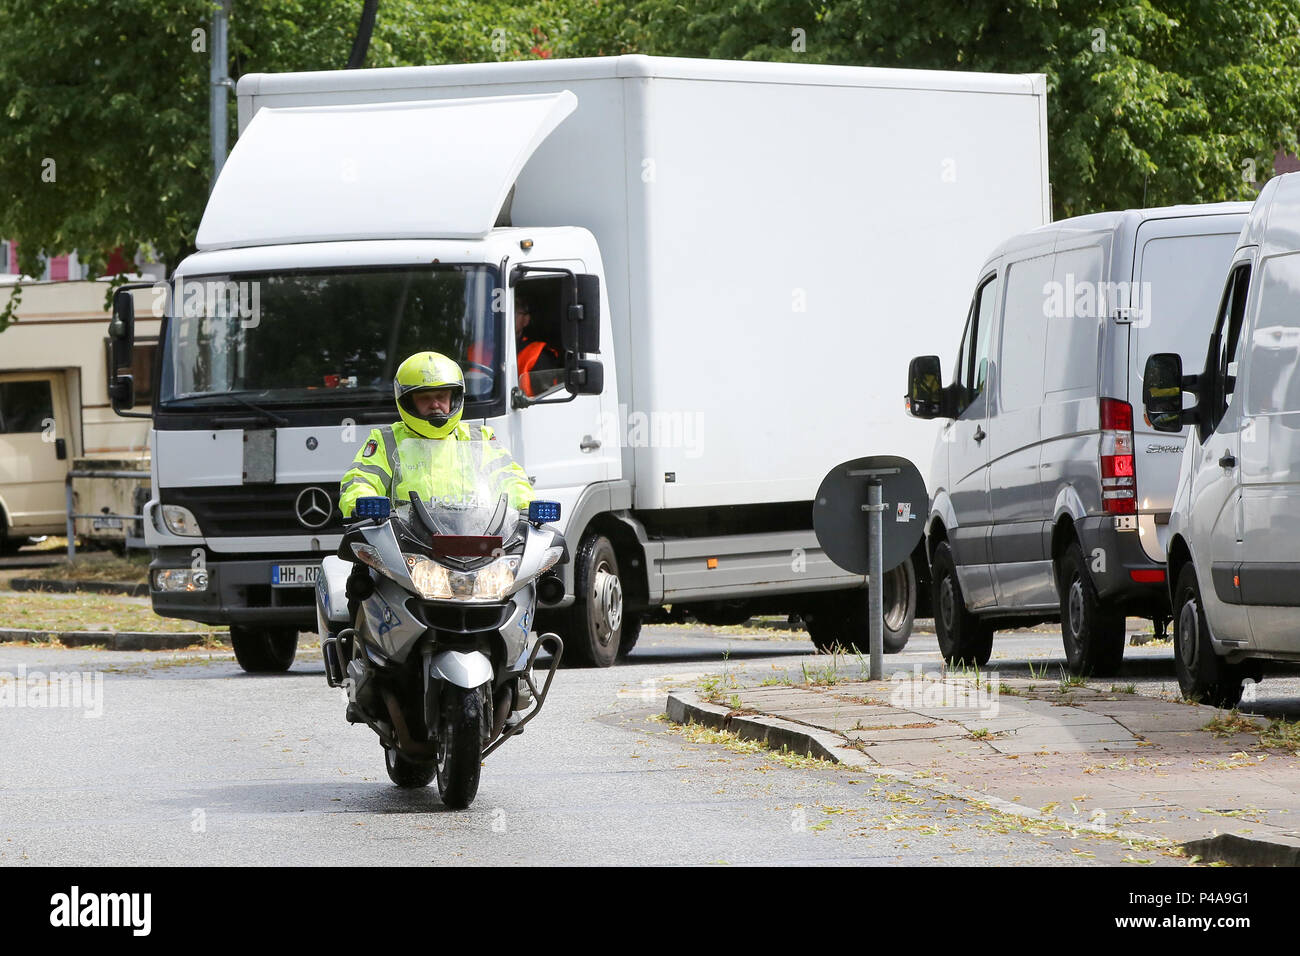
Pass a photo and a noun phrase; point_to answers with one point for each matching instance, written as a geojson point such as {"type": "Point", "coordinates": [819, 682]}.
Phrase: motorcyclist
{"type": "Point", "coordinates": [430, 392]}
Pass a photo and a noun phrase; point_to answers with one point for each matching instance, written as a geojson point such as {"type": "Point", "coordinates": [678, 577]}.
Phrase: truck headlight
{"type": "Point", "coordinates": [180, 579]}
{"type": "Point", "coordinates": [436, 582]}
{"type": "Point", "coordinates": [181, 521]}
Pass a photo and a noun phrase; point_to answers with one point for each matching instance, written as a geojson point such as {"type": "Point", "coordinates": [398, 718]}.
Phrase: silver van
{"type": "Point", "coordinates": [1234, 532]}
{"type": "Point", "coordinates": [1050, 499]}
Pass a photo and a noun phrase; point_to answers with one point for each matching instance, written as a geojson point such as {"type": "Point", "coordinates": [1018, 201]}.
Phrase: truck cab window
{"type": "Point", "coordinates": [538, 338]}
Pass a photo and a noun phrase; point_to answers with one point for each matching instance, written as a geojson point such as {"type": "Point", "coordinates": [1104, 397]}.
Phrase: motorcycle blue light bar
{"type": "Point", "coordinates": [373, 507]}
{"type": "Point", "coordinates": [543, 512]}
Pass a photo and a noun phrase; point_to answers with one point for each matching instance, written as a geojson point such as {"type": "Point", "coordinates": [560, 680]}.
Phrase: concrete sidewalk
{"type": "Point", "coordinates": [1092, 756]}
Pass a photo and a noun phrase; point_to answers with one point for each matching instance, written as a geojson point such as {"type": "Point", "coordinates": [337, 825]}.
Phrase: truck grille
{"type": "Point", "coordinates": [256, 510]}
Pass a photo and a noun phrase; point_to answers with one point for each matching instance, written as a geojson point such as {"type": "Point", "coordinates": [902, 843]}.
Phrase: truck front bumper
{"type": "Point", "coordinates": [238, 591]}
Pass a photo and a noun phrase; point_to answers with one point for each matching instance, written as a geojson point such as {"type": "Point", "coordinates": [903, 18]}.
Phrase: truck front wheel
{"type": "Point", "coordinates": [597, 619]}
{"type": "Point", "coordinates": [264, 650]}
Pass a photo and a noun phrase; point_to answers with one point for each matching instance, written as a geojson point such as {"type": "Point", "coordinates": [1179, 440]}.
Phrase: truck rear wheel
{"type": "Point", "coordinates": [597, 619]}
{"type": "Point", "coordinates": [964, 638]}
{"type": "Point", "coordinates": [843, 618]}
{"type": "Point", "coordinates": [264, 650]}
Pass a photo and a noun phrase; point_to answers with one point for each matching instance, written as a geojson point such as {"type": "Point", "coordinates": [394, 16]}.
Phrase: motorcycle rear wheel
{"type": "Point", "coordinates": [460, 752]}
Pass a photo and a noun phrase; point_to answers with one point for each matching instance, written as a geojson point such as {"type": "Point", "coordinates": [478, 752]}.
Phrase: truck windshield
{"type": "Point", "coordinates": [320, 336]}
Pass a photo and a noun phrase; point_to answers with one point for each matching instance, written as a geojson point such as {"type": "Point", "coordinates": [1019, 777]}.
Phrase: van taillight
{"type": "Point", "coordinates": [1118, 480]}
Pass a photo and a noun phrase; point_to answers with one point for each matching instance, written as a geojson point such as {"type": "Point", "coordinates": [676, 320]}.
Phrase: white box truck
{"type": "Point", "coordinates": [757, 248]}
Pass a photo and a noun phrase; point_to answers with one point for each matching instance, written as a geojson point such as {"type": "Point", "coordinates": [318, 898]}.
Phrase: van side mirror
{"type": "Point", "coordinates": [925, 392]}
{"type": "Point", "coordinates": [581, 332]}
{"type": "Point", "coordinates": [121, 334]}
{"type": "Point", "coordinates": [1162, 391]}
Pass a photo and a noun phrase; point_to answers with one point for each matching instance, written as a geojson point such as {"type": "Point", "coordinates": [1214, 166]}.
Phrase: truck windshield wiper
{"type": "Point", "coordinates": [264, 412]}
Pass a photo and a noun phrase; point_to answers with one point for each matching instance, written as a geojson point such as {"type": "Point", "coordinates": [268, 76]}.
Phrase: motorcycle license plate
{"type": "Point", "coordinates": [294, 575]}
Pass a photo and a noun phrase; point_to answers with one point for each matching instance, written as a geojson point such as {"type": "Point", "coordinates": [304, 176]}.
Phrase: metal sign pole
{"type": "Point", "coordinates": [875, 563]}
{"type": "Point", "coordinates": [875, 600]}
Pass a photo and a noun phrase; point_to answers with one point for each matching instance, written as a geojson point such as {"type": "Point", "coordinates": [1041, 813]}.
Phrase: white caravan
{"type": "Point", "coordinates": [755, 248]}
{"type": "Point", "coordinates": [1233, 571]}
{"type": "Point", "coordinates": [54, 413]}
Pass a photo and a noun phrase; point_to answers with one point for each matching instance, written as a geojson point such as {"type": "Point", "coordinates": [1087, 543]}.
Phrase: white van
{"type": "Point", "coordinates": [1234, 563]}
{"type": "Point", "coordinates": [1049, 496]}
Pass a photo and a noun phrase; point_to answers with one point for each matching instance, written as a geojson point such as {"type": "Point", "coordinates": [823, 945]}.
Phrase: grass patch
{"type": "Point", "coordinates": [99, 566]}
{"type": "Point", "coordinates": [88, 612]}
{"type": "Point", "coordinates": [699, 734]}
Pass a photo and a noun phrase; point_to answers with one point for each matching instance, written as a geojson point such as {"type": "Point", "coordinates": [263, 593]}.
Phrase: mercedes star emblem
{"type": "Point", "coordinates": [313, 507]}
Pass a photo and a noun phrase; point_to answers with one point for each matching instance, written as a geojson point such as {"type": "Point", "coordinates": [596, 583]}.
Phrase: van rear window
{"type": "Point", "coordinates": [1181, 279]}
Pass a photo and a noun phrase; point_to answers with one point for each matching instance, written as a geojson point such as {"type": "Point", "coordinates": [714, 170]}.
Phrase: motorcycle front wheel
{"type": "Point", "coordinates": [461, 746]}
{"type": "Point", "coordinates": [406, 772]}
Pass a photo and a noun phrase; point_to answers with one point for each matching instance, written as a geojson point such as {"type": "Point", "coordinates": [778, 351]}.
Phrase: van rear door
{"type": "Point", "coordinates": [1178, 271]}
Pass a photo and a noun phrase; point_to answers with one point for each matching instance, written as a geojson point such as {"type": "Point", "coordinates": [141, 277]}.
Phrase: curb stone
{"type": "Point", "coordinates": [800, 738]}
{"type": "Point", "coordinates": [61, 586]}
{"type": "Point", "coordinates": [116, 640]}
{"type": "Point", "coordinates": [1246, 851]}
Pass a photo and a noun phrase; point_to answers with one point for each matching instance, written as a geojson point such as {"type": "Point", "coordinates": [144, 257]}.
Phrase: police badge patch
{"type": "Point", "coordinates": [371, 447]}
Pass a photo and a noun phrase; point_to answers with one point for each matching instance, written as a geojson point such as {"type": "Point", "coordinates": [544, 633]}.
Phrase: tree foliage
{"type": "Point", "coordinates": [104, 105]}
{"type": "Point", "coordinates": [1150, 102]}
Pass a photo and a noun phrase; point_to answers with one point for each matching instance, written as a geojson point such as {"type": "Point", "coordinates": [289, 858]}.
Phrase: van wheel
{"type": "Point", "coordinates": [843, 618]}
{"type": "Point", "coordinates": [1092, 633]}
{"type": "Point", "coordinates": [597, 618]}
{"type": "Point", "coordinates": [264, 650]}
{"type": "Point", "coordinates": [964, 638]}
{"type": "Point", "coordinates": [1203, 676]}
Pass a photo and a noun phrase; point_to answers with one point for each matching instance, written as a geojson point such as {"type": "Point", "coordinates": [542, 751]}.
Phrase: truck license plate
{"type": "Point", "coordinates": [294, 575]}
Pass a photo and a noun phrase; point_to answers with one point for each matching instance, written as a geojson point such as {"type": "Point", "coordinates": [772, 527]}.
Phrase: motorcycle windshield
{"type": "Point", "coordinates": [466, 487]}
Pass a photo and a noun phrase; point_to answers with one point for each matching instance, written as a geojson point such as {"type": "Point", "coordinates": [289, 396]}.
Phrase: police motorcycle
{"type": "Point", "coordinates": [437, 656]}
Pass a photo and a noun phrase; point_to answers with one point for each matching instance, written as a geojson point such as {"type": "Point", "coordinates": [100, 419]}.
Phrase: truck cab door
{"type": "Point", "coordinates": [1215, 517]}
{"type": "Point", "coordinates": [968, 451]}
{"type": "Point", "coordinates": [565, 445]}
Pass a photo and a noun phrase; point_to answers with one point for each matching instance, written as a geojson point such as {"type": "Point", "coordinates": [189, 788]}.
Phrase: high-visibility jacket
{"type": "Point", "coordinates": [541, 367]}
{"type": "Point", "coordinates": [377, 469]}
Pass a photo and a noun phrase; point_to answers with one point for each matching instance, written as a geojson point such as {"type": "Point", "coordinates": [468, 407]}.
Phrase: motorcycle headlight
{"type": "Point", "coordinates": [436, 582]}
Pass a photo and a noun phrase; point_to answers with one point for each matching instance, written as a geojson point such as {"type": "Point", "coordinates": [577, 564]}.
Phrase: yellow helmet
{"type": "Point", "coordinates": [429, 371]}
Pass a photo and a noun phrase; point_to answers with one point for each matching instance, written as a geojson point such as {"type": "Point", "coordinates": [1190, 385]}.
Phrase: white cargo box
{"type": "Point", "coordinates": [778, 240]}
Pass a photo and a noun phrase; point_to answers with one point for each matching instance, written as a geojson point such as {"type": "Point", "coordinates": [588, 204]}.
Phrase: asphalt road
{"type": "Point", "coordinates": [193, 762]}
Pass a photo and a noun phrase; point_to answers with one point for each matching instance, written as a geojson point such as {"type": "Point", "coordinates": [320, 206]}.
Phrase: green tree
{"type": "Point", "coordinates": [104, 138]}
{"type": "Point", "coordinates": [1150, 102]}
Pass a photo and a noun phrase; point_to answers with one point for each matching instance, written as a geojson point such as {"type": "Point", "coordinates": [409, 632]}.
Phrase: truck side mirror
{"type": "Point", "coordinates": [1162, 391]}
{"type": "Point", "coordinates": [588, 378]}
{"type": "Point", "coordinates": [121, 333]}
{"type": "Point", "coordinates": [581, 331]}
{"type": "Point", "coordinates": [925, 395]}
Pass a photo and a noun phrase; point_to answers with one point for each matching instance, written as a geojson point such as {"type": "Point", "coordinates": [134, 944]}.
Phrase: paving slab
{"type": "Point", "coordinates": [1138, 766]}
